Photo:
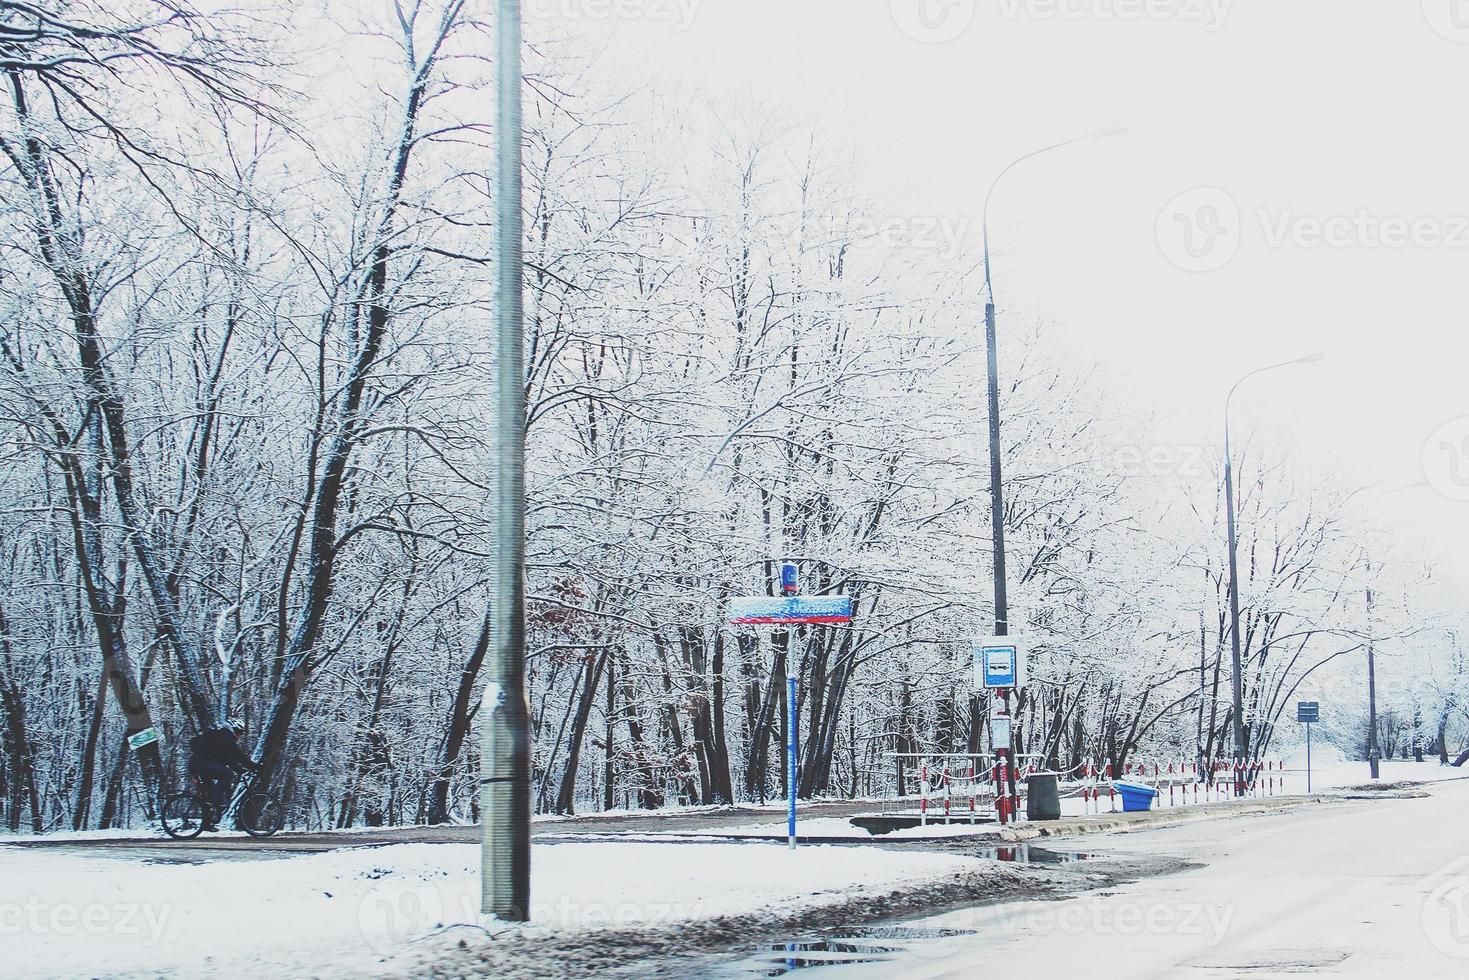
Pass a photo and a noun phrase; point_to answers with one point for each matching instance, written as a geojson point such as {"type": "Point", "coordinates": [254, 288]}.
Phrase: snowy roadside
{"type": "Point", "coordinates": [359, 911]}
{"type": "Point", "coordinates": [1330, 771]}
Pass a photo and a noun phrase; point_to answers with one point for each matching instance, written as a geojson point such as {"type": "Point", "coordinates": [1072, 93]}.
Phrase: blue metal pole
{"type": "Point", "coordinates": [791, 760]}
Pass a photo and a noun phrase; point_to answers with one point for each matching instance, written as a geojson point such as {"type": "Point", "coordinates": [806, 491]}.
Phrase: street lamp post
{"type": "Point", "coordinates": [997, 501]}
{"type": "Point", "coordinates": [997, 522]}
{"type": "Point", "coordinates": [1374, 754]}
{"type": "Point", "coordinates": [1237, 670]}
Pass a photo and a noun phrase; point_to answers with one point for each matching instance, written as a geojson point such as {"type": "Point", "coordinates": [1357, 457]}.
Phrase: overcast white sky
{"type": "Point", "coordinates": [1331, 136]}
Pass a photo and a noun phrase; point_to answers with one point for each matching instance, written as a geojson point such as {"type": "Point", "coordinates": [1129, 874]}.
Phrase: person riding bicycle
{"type": "Point", "coordinates": [215, 757]}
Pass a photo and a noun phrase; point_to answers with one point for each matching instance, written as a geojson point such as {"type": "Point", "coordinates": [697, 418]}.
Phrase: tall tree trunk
{"type": "Point", "coordinates": [460, 717]}
{"type": "Point", "coordinates": [757, 771]}
{"type": "Point", "coordinates": [89, 757]}
{"type": "Point", "coordinates": [22, 756]}
{"type": "Point", "coordinates": [298, 660]}
{"type": "Point", "coordinates": [591, 681]}
{"type": "Point", "coordinates": [609, 775]}
{"type": "Point", "coordinates": [723, 784]}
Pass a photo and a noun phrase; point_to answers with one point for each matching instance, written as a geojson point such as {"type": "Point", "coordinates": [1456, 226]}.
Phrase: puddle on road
{"type": "Point", "coordinates": [187, 855]}
{"type": "Point", "coordinates": [1025, 854]}
{"type": "Point", "coordinates": [851, 947]}
{"type": "Point", "coordinates": [878, 944]}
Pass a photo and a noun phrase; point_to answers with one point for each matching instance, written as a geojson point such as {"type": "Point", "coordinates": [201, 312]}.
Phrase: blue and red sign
{"type": "Point", "coordinates": [790, 611]}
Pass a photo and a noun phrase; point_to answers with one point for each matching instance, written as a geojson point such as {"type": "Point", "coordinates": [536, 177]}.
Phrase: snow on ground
{"type": "Point", "coordinates": [1330, 770]}
{"type": "Point", "coordinates": [1366, 890]}
{"type": "Point", "coordinates": [833, 827]}
{"type": "Point", "coordinates": [63, 914]}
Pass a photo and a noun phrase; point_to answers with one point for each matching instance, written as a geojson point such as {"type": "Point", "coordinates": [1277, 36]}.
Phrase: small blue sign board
{"type": "Point", "coordinates": [791, 611]}
{"type": "Point", "coordinates": [790, 584]}
{"type": "Point", "coordinates": [999, 664]}
{"type": "Point", "coordinates": [1308, 711]}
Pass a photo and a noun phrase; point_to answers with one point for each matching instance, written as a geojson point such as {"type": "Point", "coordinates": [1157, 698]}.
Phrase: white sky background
{"type": "Point", "coordinates": [1306, 110]}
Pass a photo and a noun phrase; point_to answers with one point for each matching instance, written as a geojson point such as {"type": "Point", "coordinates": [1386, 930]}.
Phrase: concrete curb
{"type": "Point", "coordinates": [1120, 823]}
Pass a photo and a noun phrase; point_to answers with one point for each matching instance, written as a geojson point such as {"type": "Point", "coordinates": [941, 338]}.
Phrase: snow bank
{"type": "Point", "coordinates": [1333, 771]}
{"type": "Point", "coordinates": [62, 914]}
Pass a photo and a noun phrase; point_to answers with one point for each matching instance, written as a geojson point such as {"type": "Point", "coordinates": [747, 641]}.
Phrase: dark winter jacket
{"type": "Point", "coordinates": [218, 746]}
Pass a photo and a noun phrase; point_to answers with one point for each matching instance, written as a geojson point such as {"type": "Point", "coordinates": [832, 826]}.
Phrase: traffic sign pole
{"type": "Point", "coordinates": [791, 768]}
{"type": "Point", "coordinates": [1307, 713]}
{"type": "Point", "coordinates": [790, 608]}
{"type": "Point", "coordinates": [1000, 737]}
{"type": "Point", "coordinates": [999, 666]}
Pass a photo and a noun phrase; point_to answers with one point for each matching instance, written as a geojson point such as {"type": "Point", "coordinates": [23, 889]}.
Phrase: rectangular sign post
{"type": "Point", "coordinates": [1308, 712]}
{"type": "Point", "coordinates": [790, 608]}
{"type": "Point", "coordinates": [999, 666]}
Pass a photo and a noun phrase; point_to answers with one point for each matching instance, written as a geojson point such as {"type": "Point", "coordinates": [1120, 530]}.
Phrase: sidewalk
{"type": "Point", "coordinates": [1123, 822]}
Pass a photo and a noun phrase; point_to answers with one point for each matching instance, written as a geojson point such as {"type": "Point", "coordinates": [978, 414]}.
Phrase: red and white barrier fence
{"type": "Point", "coordinates": [1186, 783]}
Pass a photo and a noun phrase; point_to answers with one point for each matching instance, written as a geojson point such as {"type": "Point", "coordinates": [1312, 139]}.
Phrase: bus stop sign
{"type": "Point", "coordinates": [791, 611]}
{"type": "Point", "coordinates": [999, 664]}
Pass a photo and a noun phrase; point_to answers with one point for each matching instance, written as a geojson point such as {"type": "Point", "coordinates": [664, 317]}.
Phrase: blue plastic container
{"type": "Point", "coordinates": [1135, 797]}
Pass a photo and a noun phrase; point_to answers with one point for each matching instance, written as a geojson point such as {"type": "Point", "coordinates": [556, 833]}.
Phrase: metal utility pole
{"type": "Point", "coordinates": [997, 501]}
{"type": "Point", "coordinates": [505, 802]}
{"type": "Point", "coordinates": [1308, 759]}
{"type": "Point", "coordinates": [1235, 663]}
{"type": "Point", "coordinates": [1373, 753]}
{"type": "Point", "coordinates": [1237, 670]}
{"type": "Point", "coordinates": [793, 771]}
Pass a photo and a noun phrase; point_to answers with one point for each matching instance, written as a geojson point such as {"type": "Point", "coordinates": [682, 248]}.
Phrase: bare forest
{"type": "Point", "coordinates": [245, 282]}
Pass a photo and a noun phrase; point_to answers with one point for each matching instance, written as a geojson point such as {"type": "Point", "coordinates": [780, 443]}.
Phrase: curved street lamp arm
{"type": "Point", "coordinates": [1309, 359]}
{"type": "Point", "coordinates": [985, 218]}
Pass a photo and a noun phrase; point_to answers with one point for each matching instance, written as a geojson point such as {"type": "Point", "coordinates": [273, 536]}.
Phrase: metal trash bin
{"type": "Point", "coordinates": [1043, 796]}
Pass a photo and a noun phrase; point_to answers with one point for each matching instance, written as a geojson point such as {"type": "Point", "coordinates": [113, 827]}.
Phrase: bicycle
{"type": "Point", "coordinates": [185, 813]}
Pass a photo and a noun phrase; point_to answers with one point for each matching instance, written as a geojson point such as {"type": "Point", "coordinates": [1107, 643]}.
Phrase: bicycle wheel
{"type": "Point", "coordinates": [183, 816]}
{"type": "Point", "coordinates": [261, 815]}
